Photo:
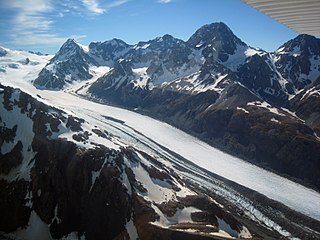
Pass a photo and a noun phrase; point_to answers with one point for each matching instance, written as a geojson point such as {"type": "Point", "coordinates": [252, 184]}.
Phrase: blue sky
{"type": "Point", "coordinates": [43, 25]}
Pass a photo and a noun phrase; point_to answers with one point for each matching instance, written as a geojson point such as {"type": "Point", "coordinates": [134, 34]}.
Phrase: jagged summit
{"type": "Point", "coordinates": [218, 42]}
{"type": "Point", "coordinates": [106, 53]}
{"type": "Point", "coordinates": [303, 43]}
{"type": "Point", "coordinates": [298, 60]}
{"type": "Point", "coordinates": [113, 42]}
{"type": "Point", "coordinates": [216, 34]}
{"type": "Point", "coordinates": [71, 63]}
{"type": "Point", "coordinates": [67, 50]}
{"type": "Point", "coordinates": [160, 43]}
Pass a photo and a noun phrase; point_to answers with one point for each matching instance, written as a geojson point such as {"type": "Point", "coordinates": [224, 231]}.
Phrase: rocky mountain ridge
{"type": "Point", "coordinates": [53, 188]}
{"type": "Point", "coordinates": [214, 86]}
{"type": "Point", "coordinates": [273, 76]}
{"type": "Point", "coordinates": [75, 169]}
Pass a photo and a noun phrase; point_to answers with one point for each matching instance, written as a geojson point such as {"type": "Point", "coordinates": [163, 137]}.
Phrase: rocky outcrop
{"type": "Point", "coordinates": [298, 60]}
{"type": "Point", "coordinates": [258, 75]}
{"type": "Point", "coordinates": [216, 41]}
{"type": "Point", "coordinates": [306, 105]}
{"type": "Point", "coordinates": [3, 52]}
{"type": "Point", "coordinates": [71, 63]}
{"type": "Point", "coordinates": [55, 187]}
{"type": "Point", "coordinates": [106, 53]}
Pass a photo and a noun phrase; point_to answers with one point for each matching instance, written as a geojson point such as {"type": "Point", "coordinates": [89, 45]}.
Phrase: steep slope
{"type": "Point", "coordinates": [106, 53]}
{"type": "Point", "coordinates": [63, 177]}
{"type": "Point", "coordinates": [96, 186]}
{"type": "Point", "coordinates": [298, 60]}
{"type": "Point", "coordinates": [259, 74]}
{"type": "Point", "coordinates": [146, 65]}
{"type": "Point", "coordinates": [217, 41]}
{"type": "Point", "coordinates": [85, 148]}
{"type": "Point", "coordinates": [236, 97]}
{"type": "Point", "coordinates": [306, 105]}
{"type": "Point", "coordinates": [71, 63]}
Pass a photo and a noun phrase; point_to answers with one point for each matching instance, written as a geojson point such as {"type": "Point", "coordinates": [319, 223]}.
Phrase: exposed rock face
{"type": "Point", "coordinates": [216, 41]}
{"type": "Point", "coordinates": [298, 60]}
{"type": "Point", "coordinates": [53, 186]}
{"type": "Point", "coordinates": [69, 200]}
{"type": "Point", "coordinates": [106, 53]}
{"type": "Point", "coordinates": [3, 52]}
{"type": "Point", "coordinates": [258, 75]}
{"type": "Point", "coordinates": [230, 78]}
{"type": "Point", "coordinates": [70, 64]}
{"type": "Point", "coordinates": [306, 104]}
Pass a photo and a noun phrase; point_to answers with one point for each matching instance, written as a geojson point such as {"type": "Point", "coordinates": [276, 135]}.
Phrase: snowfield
{"type": "Point", "coordinates": [155, 137]}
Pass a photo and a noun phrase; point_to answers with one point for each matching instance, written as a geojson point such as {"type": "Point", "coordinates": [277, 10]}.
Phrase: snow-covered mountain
{"type": "Point", "coordinates": [232, 95]}
{"type": "Point", "coordinates": [106, 53]}
{"type": "Point", "coordinates": [298, 60]}
{"type": "Point", "coordinates": [203, 84]}
{"type": "Point", "coordinates": [73, 168]}
{"type": "Point", "coordinates": [71, 63]}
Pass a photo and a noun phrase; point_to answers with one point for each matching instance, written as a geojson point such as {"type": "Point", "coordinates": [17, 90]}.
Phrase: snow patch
{"type": "Point", "coordinates": [36, 228]}
{"type": "Point", "coordinates": [274, 120]}
{"type": "Point", "coordinates": [141, 77]}
{"type": "Point", "coordinates": [266, 106]}
{"type": "Point", "coordinates": [245, 234]}
{"type": "Point", "coordinates": [242, 109]}
{"type": "Point", "coordinates": [225, 227]}
{"type": "Point", "coordinates": [132, 231]}
{"type": "Point", "coordinates": [24, 133]}
{"type": "Point", "coordinates": [183, 215]}
{"type": "Point", "coordinates": [238, 58]}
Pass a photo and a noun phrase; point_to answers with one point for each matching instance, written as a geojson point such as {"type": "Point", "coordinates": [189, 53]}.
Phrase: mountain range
{"type": "Point", "coordinates": [258, 105]}
{"type": "Point", "coordinates": [80, 157]}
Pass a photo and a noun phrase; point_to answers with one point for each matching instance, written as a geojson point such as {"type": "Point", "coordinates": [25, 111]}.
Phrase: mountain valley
{"type": "Point", "coordinates": [81, 157]}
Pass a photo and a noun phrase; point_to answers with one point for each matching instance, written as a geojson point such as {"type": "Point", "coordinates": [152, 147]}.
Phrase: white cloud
{"type": "Point", "coordinates": [93, 6]}
{"type": "Point", "coordinates": [165, 1]}
{"type": "Point", "coordinates": [27, 39]}
{"type": "Point", "coordinates": [31, 24]}
{"type": "Point", "coordinates": [116, 3]}
{"type": "Point", "coordinates": [97, 9]}
{"type": "Point", "coordinates": [33, 20]}
{"type": "Point", "coordinates": [30, 6]}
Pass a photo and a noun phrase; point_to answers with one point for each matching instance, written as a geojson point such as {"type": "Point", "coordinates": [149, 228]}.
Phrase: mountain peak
{"type": "Point", "coordinates": [217, 26]}
{"type": "Point", "coordinates": [113, 43]}
{"type": "Point", "coordinates": [214, 32]}
{"type": "Point", "coordinates": [160, 43]}
{"type": "Point", "coordinates": [117, 42]}
{"type": "Point", "coordinates": [165, 38]}
{"type": "Point", "coordinates": [69, 48]}
{"type": "Point", "coordinates": [303, 43]}
{"type": "Point", "coordinates": [70, 40]}
{"type": "Point", "coordinates": [69, 44]}
{"type": "Point", "coordinates": [3, 52]}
